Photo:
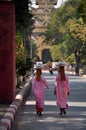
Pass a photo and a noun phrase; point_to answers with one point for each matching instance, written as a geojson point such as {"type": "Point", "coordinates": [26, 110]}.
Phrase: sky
{"type": "Point", "coordinates": [60, 2]}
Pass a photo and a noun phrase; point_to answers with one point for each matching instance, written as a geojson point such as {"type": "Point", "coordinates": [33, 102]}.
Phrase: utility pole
{"type": "Point", "coordinates": [30, 47]}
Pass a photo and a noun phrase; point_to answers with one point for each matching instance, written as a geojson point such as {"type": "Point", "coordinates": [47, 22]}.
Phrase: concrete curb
{"type": "Point", "coordinates": [9, 116]}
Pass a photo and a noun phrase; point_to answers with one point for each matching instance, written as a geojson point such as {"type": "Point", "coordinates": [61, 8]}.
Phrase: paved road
{"type": "Point", "coordinates": [51, 120]}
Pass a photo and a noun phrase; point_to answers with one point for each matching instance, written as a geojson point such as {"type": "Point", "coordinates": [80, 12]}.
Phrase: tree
{"type": "Point", "coordinates": [58, 52]}
{"type": "Point", "coordinates": [24, 22]}
{"type": "Point", "coordinates": [81, 11]}
{"type": "Point", "coordinates": [67, 28]}
{"type": "Point", "coordinates": [23, 61]}
{"type": "Point", "coordinates": [22, 13]}
{"type": "Point", "coordinates": [34, 49]}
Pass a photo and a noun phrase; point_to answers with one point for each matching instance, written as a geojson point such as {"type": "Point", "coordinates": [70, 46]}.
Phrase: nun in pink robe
{"type": "Point", "coordinates": [62, 90]}
{"type": "Point", "coordinates": [38, 85]}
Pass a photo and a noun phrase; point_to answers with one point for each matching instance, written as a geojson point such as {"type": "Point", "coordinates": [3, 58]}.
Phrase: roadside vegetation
{"type": "Point", "coordinates": [66, 32]}
{"type": "Point", "coordinates": [24, 27]}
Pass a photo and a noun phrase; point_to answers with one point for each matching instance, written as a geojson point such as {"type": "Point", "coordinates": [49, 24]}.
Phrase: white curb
{"type": "Point", "coordinates": [9, 116]}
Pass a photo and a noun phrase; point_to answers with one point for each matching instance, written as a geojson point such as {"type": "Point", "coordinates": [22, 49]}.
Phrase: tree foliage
{"type": "Point", "coordinates": [24, 26]}
{"type": "Point", "coordinates": [23, 61]}
{"type": "Point", "coordinates": [81, 11]}
{"type": "Point", "coordinates": [67, 29]}
{"type": "Point", "coordinates": [23, 16]}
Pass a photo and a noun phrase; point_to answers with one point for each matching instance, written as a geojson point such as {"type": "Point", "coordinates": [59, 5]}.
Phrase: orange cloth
{"type": "Point", "coordinates": [38, 74]}
{"type": "Point", "coordinates": [62, 73]}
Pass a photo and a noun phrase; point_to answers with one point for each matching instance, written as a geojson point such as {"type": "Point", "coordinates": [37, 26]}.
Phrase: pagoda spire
{"type": "Point", "coordinates": [42, 13]}
{"type": "Point", "coordinates": [47, 12]}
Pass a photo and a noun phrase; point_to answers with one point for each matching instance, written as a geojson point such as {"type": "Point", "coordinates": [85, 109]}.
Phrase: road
{"type": "Point", "coordinates": [75, 119]}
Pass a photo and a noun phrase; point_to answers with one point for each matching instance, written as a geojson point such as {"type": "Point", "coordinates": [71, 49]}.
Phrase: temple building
{"type": "Point", "coordinates": [42, 10]}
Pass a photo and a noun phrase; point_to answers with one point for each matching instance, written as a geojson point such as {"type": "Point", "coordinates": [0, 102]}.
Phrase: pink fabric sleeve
{"type": "Point", "coordinates": [68, 85]}
{"type": "Point", "coordinates": [45, 83]}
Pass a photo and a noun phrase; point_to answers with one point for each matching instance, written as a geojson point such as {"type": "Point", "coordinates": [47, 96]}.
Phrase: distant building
{"type": "Point", "coordinates": [42, 10]}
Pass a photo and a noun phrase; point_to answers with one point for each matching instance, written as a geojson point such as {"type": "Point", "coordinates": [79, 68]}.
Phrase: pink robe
{"type": "Point", "coordinates": [62, 88]}
{"type": "Point", "coordinates": [38, 90]}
